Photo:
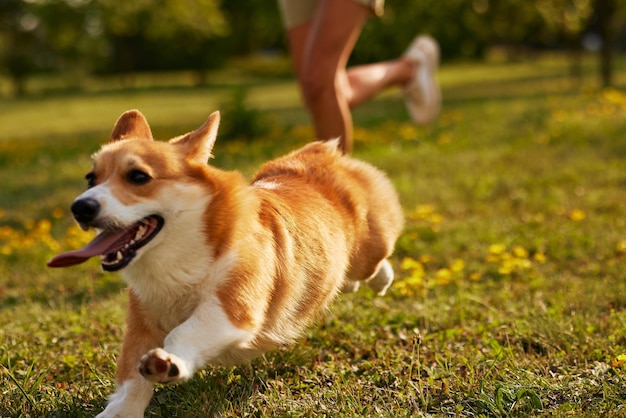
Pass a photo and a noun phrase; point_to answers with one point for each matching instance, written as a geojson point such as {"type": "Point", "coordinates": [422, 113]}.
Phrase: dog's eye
{"type": "Point", "coordinates": [138, 177]}
{"type": "Point", "coordinates": [91, 180]}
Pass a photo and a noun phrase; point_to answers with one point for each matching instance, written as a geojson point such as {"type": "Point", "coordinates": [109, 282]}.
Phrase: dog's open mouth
{"type": "Point", "coordinates": [116, 248]}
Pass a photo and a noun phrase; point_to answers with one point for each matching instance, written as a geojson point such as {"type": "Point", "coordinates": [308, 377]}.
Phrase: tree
{"type": "Point", "coordinates": [19, 42]}
{"type": "Point", "coordinates": [71, 34]}
{"type": "Point", "coordinates": [572, 18]}
{"type": "Point", "coordinates": [255, 24]}
{"type": "Point", "coordinates": [605, 11]}
{"type": "Point", "coordinates": [75, 35]}
{"type": "Point", "coordinates": [137, 28]}
{"type": "Point", "coordinates": [124, 36]}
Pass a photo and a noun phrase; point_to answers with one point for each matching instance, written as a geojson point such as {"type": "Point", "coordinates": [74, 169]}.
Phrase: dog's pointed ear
{"type": "Point", "coordinates": [132, 124]}
{"type": "Point", "coordinates": [199, 143]}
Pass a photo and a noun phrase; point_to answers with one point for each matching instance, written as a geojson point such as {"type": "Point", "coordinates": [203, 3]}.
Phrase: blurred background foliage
{"type": "Point", "coordinates": [82, 38]}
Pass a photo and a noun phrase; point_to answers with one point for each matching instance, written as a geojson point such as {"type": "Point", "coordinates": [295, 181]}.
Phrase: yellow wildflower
{"type": "Point", "coordinates": [497, 249]}
{"type": "Point", "coordinates": [6, 233]}
{"type": "Point", "coordinates": [577, 215]}
{"type": "Point", "coordinates": [42, 227]}
{"type": "Point", "coordinates": [426, 258]}
{"type": "Point", "coordinates": [520, 252]}
{"type": "Point", "coordinates": [415, 279]}
{"type": "Point", "coordinates": [506, 268]}
{"type": "Point", "coordinates": [475, 276]}
{"type": "Point", "coordinates": [523, 264]}
{"type": "Point", "coordinates": [435, 218]}
{"type": "Point", "coordinates": [443, 277]}
{"type": "Point", "coordinates": [409, 263]}
{"type": "Point", "coordinates": [76, 237]}
{"type": "Point", "coordinates": [58, 213]}
{"type": "Point", "coordinates": [6, 250]}
{"type": "Point", "coordinates": [422, 211]}
{"type": "Point", "coordinates": [407, 131]}
{"type": "Point", "coordinates": [614, 96]}
{"type": "Point", "coordinates": [457, 265]}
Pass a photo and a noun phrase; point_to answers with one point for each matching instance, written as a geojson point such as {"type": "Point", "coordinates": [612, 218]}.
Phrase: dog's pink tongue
{"type": "Point", "coordinates": [99, 245]}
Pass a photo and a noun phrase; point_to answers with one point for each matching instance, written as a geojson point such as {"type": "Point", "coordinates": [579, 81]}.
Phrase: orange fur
{"type": "Point", "coordinates": [273, 253]}
{"type": "Point", "coordinates": [141, 335]}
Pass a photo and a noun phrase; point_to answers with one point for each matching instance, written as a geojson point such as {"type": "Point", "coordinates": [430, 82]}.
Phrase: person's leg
{"type": "Point", "coordinates": [415, 72]}
{"type": "Point", "coordinates": [366, 81]}
{"type": "Point", "coordinates": [320, 50]}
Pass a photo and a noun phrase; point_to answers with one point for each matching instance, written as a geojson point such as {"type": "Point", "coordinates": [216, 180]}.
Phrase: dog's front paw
{"type": "Point", "coordinates": [129, 400]}
{"type": "Point", "coordinates": [159, 366]}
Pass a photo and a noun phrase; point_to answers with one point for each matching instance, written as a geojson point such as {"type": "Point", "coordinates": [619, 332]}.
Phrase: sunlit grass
{"type": "Point", "coordinates": [510, 296]}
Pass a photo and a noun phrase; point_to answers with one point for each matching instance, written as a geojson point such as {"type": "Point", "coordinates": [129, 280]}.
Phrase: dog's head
{"type": "Point", "coordinates": [136, 187]}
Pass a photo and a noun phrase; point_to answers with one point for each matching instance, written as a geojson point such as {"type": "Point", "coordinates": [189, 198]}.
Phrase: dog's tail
{"type": "Point", "coordinates": [334, 144]}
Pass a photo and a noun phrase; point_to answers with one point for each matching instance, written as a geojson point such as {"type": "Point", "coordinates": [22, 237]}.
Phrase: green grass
{"type": "Point", "coordinates": [510, 297]}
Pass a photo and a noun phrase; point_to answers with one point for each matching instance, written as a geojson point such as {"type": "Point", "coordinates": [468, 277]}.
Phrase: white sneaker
{"type": "Point", "coordinates": [422, 95]}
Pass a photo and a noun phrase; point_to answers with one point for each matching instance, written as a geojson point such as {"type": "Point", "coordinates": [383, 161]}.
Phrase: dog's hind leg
{"type": "Point", "coordinates": [350, 286]}
{"type": "Point", "coordinates": [382, 279]}
{"type": "Point", "coordinates": [203, 337]}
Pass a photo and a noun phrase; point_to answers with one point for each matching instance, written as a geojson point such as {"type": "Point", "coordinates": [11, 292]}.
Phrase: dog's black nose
{"type": "Point", "coordinates": [85, 210]}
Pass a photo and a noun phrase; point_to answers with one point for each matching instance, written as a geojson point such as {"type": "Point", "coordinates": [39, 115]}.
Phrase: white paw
{"type": "Point", "coordinates": [129, 401]}
{"type": "Point", "coordinates": [159, 366]}
{"type": "Point", "coordinates": [118, 413]}
{"type": "Point", "coordinates": [108, 414]}
{"type": "Point", "coordinates": [350, 286]}
{"type": "Point", "coordinates": [383, 278]}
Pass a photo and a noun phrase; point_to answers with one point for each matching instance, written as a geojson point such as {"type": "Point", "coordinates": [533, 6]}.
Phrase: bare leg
{"type": "Point", "coordinates": [366, 81]}
{"type": "Point", "coordinates": [320, 50]}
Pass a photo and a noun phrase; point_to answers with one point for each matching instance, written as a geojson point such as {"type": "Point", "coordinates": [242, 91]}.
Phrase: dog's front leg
{"type": "Point", "coordinates": [130, 399]}
{"type": "Point", "coordinates": [194, 343]}
{"type": "Point", "coordinates": [133, 392]}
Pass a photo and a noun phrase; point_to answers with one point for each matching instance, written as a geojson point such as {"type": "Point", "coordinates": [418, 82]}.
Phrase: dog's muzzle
{"type": "Point", "coordinates": [85, 210]}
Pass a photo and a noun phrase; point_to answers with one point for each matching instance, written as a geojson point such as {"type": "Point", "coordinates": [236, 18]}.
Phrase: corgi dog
{"type": "Point", "coordinates": [220, 270]}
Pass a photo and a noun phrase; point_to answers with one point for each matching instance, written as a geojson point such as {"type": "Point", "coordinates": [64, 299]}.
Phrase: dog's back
{"type": "Point", "coordinates": [322, 219]}
{"type": "Point", "coordinates": [360, 197]}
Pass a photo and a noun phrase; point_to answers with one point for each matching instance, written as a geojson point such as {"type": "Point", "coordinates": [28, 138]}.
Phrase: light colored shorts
{"type": "Point", "coordinates": [295, 12]}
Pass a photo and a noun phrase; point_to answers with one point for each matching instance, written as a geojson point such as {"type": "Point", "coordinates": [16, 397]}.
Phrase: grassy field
{"type": "Point", "coordinates": [510, 297]}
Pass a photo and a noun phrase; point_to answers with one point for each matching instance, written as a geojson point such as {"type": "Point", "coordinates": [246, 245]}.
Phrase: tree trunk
{"type": "Point", "coordinates": [605, 9]}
